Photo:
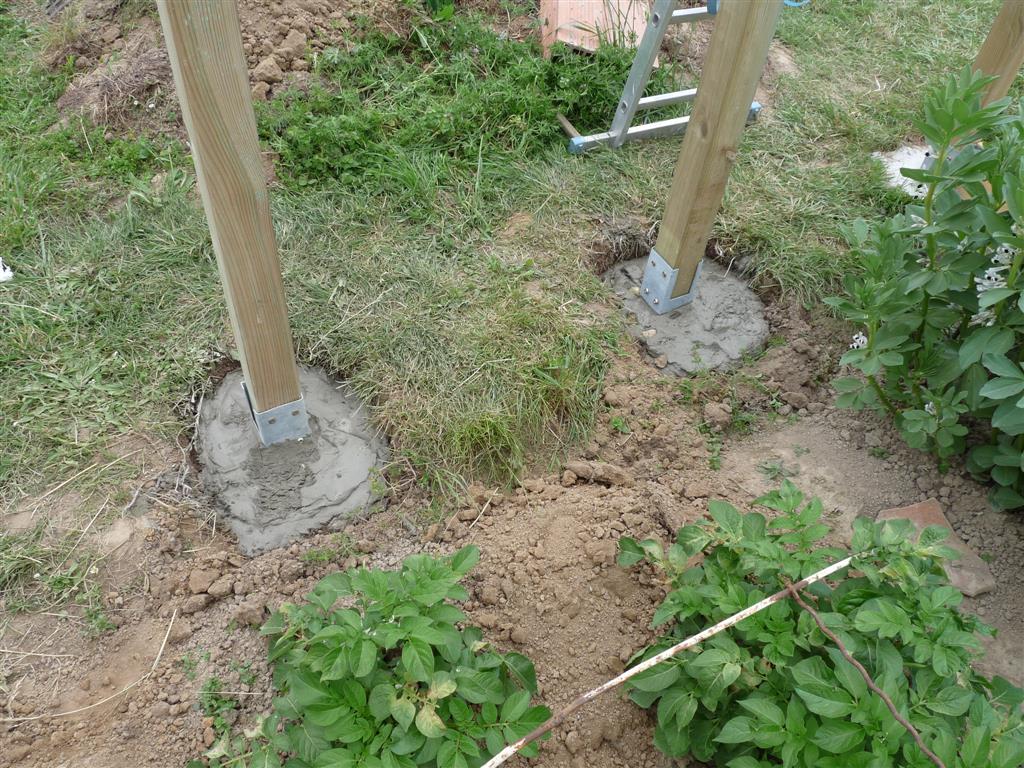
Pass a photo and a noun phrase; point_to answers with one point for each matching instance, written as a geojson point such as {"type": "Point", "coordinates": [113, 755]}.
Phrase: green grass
{"type": "Point", "coordinates": [478, 352]}
{"type": "Point", "coordinates": [805, 169]}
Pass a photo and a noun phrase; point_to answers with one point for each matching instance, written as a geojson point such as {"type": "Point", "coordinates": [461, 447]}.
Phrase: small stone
{"type": "Point", "coordinates": [431, 533]}
{"type": "Point", "coordinates": [291, 570]}
{"type": "Point", "coordinates": [209, 736]}
{"type": "Point", "coordinates": [717, 415]}
{"type": "Point", "coordinates": [697, 489]}
{"type": "Point", "coordinates": [519, 636]}
{"type": "Point", "coordinates": [602, 551]}
{"type": "Point", "coordinates": [661, 361]}
{"type": "Point", "coordinates": [489, 595]}
{"type": "Point", "coordinates": [249, 613]}
{"type": "Point", "coordinates": [796, 399]}
{"type": "Point", "coordinates": [569, 478]}
{"type": "Point", "coordinates": [200, 579]}
{"type": "Point", "coordinates": [223, 586]}
{"type": "Point", "coordinates": [468, 515]}
{"type": "Point", "coordinates": [260, 91]}
{"type": "Point", "coordinates": [486, 619]}
{"type": "Point", "coordinates": [600, 472]}
{"type": "Point", "coordinates": [293, 46]}
{"type": "Point", "coordinates": [182, 630]}
{"type": "Point", "coordinates": [573, 742]}
{"type": "Point", "coordinates": [268, 71]}
{"type": "Point", "coordinates": [196, 603]}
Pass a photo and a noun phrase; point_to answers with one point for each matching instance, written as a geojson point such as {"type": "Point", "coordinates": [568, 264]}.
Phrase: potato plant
{"type": "Point", "coordinates": [939, 303]}
{"type": "Point", "coordinates": [389, 680]}
{"type": "Point", "coordinates": [776, 691]}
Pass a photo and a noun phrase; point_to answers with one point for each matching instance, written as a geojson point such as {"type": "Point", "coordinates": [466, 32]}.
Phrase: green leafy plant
{"type": "Point", "coordinates": [216, 705]}
{"type": "Point", "coordinates": [619, 424]}
{"type": "Point", "coordinates": [940, 298]}
{"type": "Point", "coordinates": [775, 690]}
{"type": "Point", "coordinates": [389, 681]}
{"type": "Point", "coordinates": [441, 10]}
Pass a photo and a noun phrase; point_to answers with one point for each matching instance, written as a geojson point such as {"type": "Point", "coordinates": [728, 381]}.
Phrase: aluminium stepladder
{"type": "Point", "coordinates": [664, 14]}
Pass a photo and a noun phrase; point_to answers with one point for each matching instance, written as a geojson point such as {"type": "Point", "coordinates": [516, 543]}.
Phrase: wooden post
{"type": "Point", "coordinates": [1002, 53]}
{"type": "Point", "coordinates": [204, 43]}
{"type": "Point", "coordinates": [732, 68]}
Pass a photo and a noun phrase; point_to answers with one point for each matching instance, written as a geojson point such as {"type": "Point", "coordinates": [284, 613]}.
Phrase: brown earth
{"type": "Point", "coordinates": [546, 584]}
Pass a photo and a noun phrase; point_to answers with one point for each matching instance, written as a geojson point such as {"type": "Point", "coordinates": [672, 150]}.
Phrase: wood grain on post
{"type": "Point", "coordinates": [204, 43]}
{"type": "Point", "coordinates": [1002, 53]}
{"type": "Point", "coordinates": [732, 68]}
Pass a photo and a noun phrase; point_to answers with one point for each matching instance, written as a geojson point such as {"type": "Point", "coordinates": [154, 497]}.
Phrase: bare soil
{"type": "Point", "coordinates": [546, 585]}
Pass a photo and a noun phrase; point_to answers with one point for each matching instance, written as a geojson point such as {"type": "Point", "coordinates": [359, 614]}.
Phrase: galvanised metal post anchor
{"type": "Point", "coordinates": [281, 423]}
{"type": "Point", "coordinates": [660, 280]}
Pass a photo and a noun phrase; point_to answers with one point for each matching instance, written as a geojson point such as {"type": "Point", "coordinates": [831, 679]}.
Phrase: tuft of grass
{"type": "Point", "coordinates": [40, 571]}
{"type": "Point", "coordinates": [341, 547]}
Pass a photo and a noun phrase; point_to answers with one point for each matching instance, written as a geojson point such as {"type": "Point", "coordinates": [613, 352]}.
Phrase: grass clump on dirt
{"type": "Point", "coordinates": [436, 116]}
{"type": "Point", "coordinates": [40, 570]}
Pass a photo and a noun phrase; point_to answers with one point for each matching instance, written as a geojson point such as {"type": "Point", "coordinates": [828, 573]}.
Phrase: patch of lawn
{"type": "Point", "coordinates": [477, 351]}
{"type": "Point", "coordinates": [469, 360]}
{"type": "Point", "coordinates": [805, 168]}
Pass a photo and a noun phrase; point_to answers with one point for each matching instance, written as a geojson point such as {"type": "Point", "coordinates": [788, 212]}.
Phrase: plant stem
{"type": "Point", "coordinates": [883, 397]}
{"type": "Point", "coordinates": [867, 677]}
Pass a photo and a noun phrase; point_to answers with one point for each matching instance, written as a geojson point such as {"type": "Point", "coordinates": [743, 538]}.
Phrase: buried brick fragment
{"type": "Point", "coordinates": [970, 574]}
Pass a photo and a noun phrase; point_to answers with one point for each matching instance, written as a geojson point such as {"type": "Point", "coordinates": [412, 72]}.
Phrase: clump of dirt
{"type": "Point", "coordinates": [124, 76]}
{"type": "Point", "coordinates": [619, 239]}
{"type": "Point", "coordinates": [131, 85]}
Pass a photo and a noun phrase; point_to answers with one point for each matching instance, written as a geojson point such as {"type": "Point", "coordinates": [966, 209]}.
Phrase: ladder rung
{"type": "Point", "coordinates": [666, 99]}
{"type": "Point", "coordinates": [685, 15]}
{"type": "Point", "coordinates": [580, 144]}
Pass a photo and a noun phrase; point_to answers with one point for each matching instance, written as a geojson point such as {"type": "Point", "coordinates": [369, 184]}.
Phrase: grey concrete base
{"type": "Point", "coordinates": [725, 319]}
{"type": "Point", "coordinates": [269, 496]}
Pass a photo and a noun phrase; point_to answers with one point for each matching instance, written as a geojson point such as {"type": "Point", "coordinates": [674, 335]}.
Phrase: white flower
{"type": "Point", "coordinates": [859, 341]}
{"type": "Point", "coordinates": [984, 317]}
{"type": "Point", "coordinates": [992, 279]}
{"type": "Point", "coordinates": [1004, 256]}
{"type": "Point", "coordinates": [6, 273]}
{"type": "Point", "coordinates": [929, 408]}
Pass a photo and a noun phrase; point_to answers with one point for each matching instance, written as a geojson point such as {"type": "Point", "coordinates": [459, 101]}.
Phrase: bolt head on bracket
{"type": "Point", "coordinates": [658, 283]}
{"type": "Point", "coordinates": [281, 423]}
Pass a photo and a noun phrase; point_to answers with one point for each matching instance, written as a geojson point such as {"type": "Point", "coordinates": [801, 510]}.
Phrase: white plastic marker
{"type": "Point", "coordinates": [668, 653]}
{"type": "Point", "coordinates": [6, 273]}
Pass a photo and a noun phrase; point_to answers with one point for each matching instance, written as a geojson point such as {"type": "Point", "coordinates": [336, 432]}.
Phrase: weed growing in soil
{"type": "Point", "coordinates": [216, 705]}
{"type": "Point", "coordinates": [39, 572]}
{"type": "Point", "coordinates": [390, 681]}
{"type": "Point", "coordinates": [341, 547]}
{"type": "Point", "coordinates": [775, 690]}
{"type": "Point", "coordinates": [940, 305]}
